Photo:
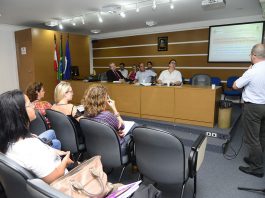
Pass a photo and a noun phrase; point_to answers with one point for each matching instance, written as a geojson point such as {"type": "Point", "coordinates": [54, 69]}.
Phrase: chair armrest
{"type": "Point", "coordinates": [196, 155]}
{"type": "Point", "coordinates": [39, 187]}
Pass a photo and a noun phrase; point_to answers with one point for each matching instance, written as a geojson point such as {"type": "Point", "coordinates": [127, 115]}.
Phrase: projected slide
{"type": "Point", "coordinates": [233, 43]}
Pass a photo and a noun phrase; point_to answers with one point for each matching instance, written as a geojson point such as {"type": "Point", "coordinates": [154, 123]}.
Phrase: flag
{"type": "Point", "coordinates": [55, 59]}
{"type": "Point", "coordinates": [61, 62]}
{"type": "Point", "coordinates": [67, 62]}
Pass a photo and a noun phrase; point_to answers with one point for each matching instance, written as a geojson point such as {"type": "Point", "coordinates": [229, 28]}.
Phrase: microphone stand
{"type": "Point", "coordinates": [251, 189]}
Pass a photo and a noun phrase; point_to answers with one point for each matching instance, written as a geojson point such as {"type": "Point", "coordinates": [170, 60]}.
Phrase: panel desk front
{"type": "Point", "coordinates": [186, 104]}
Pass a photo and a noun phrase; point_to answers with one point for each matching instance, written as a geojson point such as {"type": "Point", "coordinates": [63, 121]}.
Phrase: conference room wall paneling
{"type": "Point", "coordinates": [42, 56]}
{"type": "Point", "coordinates": [189, 48]}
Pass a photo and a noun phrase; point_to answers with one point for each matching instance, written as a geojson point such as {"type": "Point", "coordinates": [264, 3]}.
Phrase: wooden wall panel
{"type": "Point", "coordinates": [42, 56]}
{"type": "Point", "coordinates": [194, 48]}
{"type": "Point", "coordinates": [182, 61]}
{"type": "Point", "coordinates": [189, 35]}
{"type": "Point", "coordinates": [189, 48]}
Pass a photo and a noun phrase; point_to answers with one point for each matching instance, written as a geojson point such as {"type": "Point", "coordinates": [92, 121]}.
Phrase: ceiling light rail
{"type": "Point", "coordinates": [110, 9]}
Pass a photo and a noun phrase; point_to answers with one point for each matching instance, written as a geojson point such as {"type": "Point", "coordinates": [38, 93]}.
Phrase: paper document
{"type": "Point", "coordinates": [128, 125]}
{"type": "Point", "coordinates": [125, 190]}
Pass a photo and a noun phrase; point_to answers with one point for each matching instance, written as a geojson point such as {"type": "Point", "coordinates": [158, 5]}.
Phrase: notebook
{"type": "Point", "coordinates": [125, 190]}
{"type": "Point", "coordinates": [128, 125]}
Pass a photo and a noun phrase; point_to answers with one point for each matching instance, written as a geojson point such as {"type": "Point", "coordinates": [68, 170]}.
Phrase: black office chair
{"type": "Point", "coordinates": [66, 132]}
{"type": "Point", "coordinates": [13, 178]}
{"type": "Point", "coordinates": [101, 139]}
{"type": "Point", "coordinates": [38, 125]}
{"type": "Point", "coordinates": [38, 188]}
{"type": "Point", "coordinates": [201, 80]}
{"type": "Point", "coordinates": [160, 156]}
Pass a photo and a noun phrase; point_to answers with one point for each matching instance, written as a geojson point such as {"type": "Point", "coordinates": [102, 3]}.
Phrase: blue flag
{"type": "Point", "coordinates": [67, 62]}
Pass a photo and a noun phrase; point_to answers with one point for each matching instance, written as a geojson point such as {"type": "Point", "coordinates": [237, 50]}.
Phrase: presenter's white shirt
{"type": "Point", "coordinates": [253, 82]}
{"type": "Point", "coordinates": [124, 73]}
{"type": "Point", "coordinates": [172, 77]}
{"type": "Point", "coordinates": [34, 155]}
{"type": "Point", "coordinates": [145, 77]}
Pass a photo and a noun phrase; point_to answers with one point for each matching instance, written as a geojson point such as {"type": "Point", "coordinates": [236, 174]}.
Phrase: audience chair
{"type": "Point", "coordinates": [101, 139]}
{"type": "Point", "coordinates": [229, 90]}
{"type": "Point", "coordinates": [38, 125]}
{"type": "Point", "coordinates": [13, 178]}
{"type": "Point", "coordinates": [65, 131]}
{"type": "Point", "coordinates": [201, 80]}
{"type": "Point", "coordinates": [160, 156]}
{"type": "Point", "coordinates": [38, 188]}
{"type": "Point", "coordinates": [216, 81]}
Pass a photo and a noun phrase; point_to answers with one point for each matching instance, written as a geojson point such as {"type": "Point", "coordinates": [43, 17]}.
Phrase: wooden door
{"type": "Point", "coordinates": [26, 71]}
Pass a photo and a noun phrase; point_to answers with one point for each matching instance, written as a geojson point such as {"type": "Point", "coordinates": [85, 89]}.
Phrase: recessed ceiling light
{"type": "Point", "coordinates": [95, 31]}
{"type": "Point", "coordinates": [51, 23]}
{"type": "Point", "coordinates": [151, 23]}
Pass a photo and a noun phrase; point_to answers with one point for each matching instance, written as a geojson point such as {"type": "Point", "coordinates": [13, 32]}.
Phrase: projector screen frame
{"type": "Point", "coordinates": [209, 37]}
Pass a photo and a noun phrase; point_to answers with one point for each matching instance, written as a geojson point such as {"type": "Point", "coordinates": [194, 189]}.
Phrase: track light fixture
{"type": "Point", "coordinates": [171, 5]}
{"type": "Point", "coordinates": [60, 26]}
{"type": "Point", "coordinates": [111, 9]}
{"type": "Point", "coordinates": [100, 18]}
{"type": "Point", "coordinates": [154, 4]}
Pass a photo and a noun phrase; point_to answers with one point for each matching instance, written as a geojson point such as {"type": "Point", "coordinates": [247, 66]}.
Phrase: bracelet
{"type": "Point", "coordinates": [117, 114]}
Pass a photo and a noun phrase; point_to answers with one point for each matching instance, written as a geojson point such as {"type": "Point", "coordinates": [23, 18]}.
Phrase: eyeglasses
{"type": "Point", "coordinates": [30, 105]}
{"type": "Point", "coordinates": [174, 63]}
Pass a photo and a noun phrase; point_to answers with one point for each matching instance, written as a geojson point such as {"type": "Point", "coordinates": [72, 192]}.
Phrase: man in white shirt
{"type": "Point", "coordinates": [253, 94]}
{"type": "Point", "coordinates": [171, 75]}
{"type": "Point", "coordinates": [123, 71]}
{"type": "Point", "coordinates": [144, 76]}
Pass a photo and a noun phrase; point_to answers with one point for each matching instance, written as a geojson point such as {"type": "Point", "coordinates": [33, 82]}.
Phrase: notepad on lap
{"type": "Point", "coordinates": [125, 191]}
{"type": "Point", "coordinates": [127, 126]}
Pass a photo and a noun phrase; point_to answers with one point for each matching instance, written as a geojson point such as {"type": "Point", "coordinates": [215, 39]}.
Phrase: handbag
{"type": "Point", "coordinates": [86, 180]}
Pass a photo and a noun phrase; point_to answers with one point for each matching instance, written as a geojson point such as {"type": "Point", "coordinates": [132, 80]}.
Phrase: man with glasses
{"type": "Point", "coordinates": [253, 94]}
{"type": "Point", "coordinates": [171, 76]}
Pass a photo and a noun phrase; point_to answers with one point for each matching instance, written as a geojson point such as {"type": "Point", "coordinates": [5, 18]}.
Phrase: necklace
{"type": "Point", "coordinates": [61, 104]}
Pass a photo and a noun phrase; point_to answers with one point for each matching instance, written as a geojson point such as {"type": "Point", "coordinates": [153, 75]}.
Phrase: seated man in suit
{"type": "Point", "coordinates": [171, 75]}
{"type": "Point", "coordinates": [144, 76]}
{"type": "Point", "coordinates": [113, 74]}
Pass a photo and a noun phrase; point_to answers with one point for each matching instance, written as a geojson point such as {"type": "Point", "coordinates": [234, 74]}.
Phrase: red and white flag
{"type": "Point", "coordinates": [55, 59]}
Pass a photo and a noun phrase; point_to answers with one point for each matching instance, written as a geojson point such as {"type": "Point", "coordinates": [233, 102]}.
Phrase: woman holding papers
{"type": "Point", "coordinates": [95, 102]}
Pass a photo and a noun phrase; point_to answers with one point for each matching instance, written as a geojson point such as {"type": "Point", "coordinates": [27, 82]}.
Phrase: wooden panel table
{"type": "Point", "coordinates": [196, 105]}
{"type": "Point", "coordinates": [157, 103]}
{"type": "Point", "coordinates": [186, 104]}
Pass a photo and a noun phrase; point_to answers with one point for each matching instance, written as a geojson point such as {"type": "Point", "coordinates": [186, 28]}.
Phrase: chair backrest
{"type": "Point", "coordinates": [13, 178]}
{"type": "Point", "coordinates": [64, 129]}
{"type": "Point", "coordinates": [160, 155]}
{"type": "Point", "coordinates": [216, 81]}
{"type": "Point", "coordinates": [230, 81]}
{"type": "Point", "coordinates": [38, 125]}
{"type": "Point", "coordinates": [196, 156]}
{"type": "Point", "coordinates": [101, 139]}
{"type": "Point", "coordinates": [201, 80]}
{"type": "Point", "coordinates": [38, 188]}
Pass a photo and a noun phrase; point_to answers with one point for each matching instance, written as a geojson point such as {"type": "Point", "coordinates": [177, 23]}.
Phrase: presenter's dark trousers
{"type": "Point", "coordinates": [254, 137]}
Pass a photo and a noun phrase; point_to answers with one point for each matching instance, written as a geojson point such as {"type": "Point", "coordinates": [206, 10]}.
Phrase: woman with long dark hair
{"type": "Point", "coordinates": [17, 143]}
